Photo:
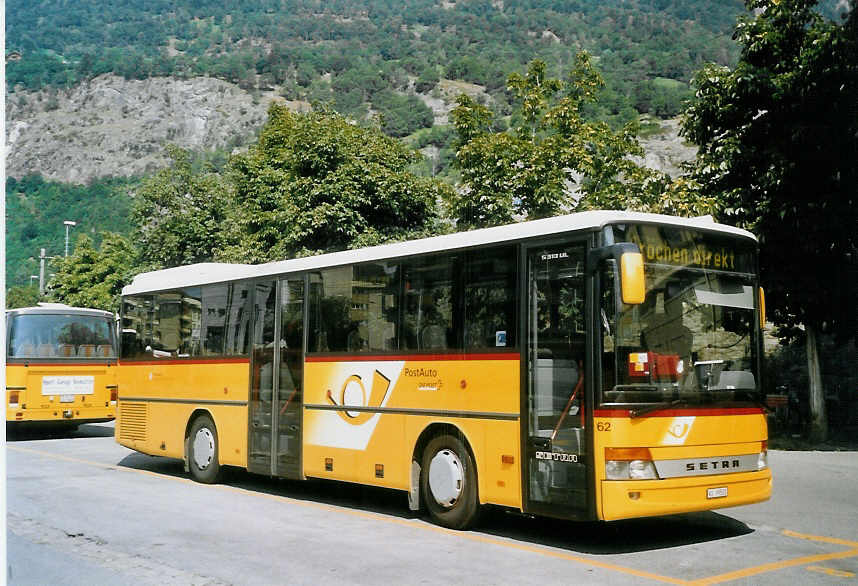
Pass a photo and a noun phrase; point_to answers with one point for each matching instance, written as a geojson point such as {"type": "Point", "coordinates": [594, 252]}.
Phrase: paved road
{"type": "Point", "coordinates": [84, 510]}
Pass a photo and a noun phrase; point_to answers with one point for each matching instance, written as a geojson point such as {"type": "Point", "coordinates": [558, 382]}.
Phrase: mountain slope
{"type": "Point", "coordinates": [111, 126]}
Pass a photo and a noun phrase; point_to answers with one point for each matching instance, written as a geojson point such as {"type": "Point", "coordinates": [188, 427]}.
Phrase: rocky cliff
{"type": "Point", "coordinates": [111, 126]}
{"type": "Point", "coordinates": [117, 127]}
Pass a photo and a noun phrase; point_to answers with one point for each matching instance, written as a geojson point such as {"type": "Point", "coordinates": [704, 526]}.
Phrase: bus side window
{"type": "Point", "coordinates": [490, 298]}
{"type": "Point", "coordinates": [137, 317]}
{"type": "Point", "coordinates": [427, 314]}
{"type": "Point", "coordinates": [213, 318]}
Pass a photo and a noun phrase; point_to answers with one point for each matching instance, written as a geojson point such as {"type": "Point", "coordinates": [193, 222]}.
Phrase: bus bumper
{"type": "Point", "coordinates": [625, 499]}
{"type": "Point", "coordinates": [74, 415]}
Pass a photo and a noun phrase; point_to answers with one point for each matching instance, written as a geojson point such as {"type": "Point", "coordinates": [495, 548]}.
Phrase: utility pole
{"type": "Point", "coordinates": [68, 224]}
{"type": "Point", "coordinates": [42, 272]}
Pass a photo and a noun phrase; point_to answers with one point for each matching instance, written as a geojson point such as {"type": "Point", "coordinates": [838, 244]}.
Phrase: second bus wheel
{"type": "Point", "coordinates": [448, 483]}
{"type": "Point", "coordinates": [203, 451]}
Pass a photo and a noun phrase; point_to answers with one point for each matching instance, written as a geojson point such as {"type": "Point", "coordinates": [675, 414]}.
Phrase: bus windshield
{"type": "Point", "coordinates": [55, 335]}
{"type": "Point", "coordinates": [693, 340]}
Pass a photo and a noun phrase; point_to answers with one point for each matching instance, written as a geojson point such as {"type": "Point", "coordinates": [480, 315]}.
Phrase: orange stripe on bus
{"type": "Point", "coordinates": [681, 412]}
{"type": "Point", "coordinates": [414, 357]}
{"type": "Point", "coordinates": [127, 362]}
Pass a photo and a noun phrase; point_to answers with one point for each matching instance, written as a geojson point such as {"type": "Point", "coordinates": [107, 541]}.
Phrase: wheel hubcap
{"type": "Point", "coordinates": [446, 478]}
{"type": "Point", "coordinates": [204, 447]}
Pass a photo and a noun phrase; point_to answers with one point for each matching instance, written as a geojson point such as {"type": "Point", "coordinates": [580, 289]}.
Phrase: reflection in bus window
{"type": "Point", "coordinates": [427, 320]}
{"type": "Point", "coordinates": [693, 338]}
{"type": "Point", "coordinates": [490, 299]}
{"type": "Point", "coordinates": [355, 308]}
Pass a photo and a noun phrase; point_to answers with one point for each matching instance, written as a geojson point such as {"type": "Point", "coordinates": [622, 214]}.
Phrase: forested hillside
{"type": "Point", "coordinates": [356, 51]}
{"type": "Point", "coordinates": [397, 64]}
{"type": "Point", "coordinates": [36, 210]}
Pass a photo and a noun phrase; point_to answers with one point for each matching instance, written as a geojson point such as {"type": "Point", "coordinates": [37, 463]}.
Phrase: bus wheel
{"type": "Point", "coordinates": [203, 450]}
{"type": "Point", "coordinates": [448, 482]}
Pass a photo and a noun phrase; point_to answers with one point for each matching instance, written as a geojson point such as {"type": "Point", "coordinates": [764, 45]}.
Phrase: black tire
{"type": "Point", "coordinates": [203, 451]}
{"type": "Point", "coordinates": [458, 506]}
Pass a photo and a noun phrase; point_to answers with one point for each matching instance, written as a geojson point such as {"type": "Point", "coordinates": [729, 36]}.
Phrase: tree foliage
{"type": "Point", "coordinates": [91, 277]}
{"type": "Point", "coordinates": [64, 42]}
{"type": "Point", "coordinates": [553, 159]}
{"type": "Point", "coordinates": [36, 209]}
{"type": "Point", "coordinates": [778, 138]}
{"type": "Point", "coordinates": [179, 214]}
{"type": "Point", "coordinates": [22, 296]}
{"type": "Point", "coordinates": [315, 182]}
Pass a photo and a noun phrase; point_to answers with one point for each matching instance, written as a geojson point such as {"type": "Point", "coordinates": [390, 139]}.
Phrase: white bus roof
{"type": "Point", "coordinates": [208, 273]}
{"type": "Point", "coordinates": [59, 309]}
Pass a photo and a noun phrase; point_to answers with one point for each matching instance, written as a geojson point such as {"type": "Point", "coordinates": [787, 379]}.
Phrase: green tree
{"type": "Point", "coordinates": [553, 160]}
{"type": "Point", "coordinates": [22, 296]}
{"type": "Point", "coordinates": [778, 138]}
{"type": "Point", "coordinates": [427, 80]}
{"type": "Point", "coordinates": [92, 277]}
{"type": "Point", "coordinates": [314, 182]}
{"type": "Point", "coordinates": [179, 214]}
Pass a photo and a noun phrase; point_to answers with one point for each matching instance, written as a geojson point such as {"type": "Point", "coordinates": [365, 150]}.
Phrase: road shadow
{"type": "Point", "coordinates": [20, 432]}
{"type": "Point", "coordinates": [595, 538]}
{"type": "Point", "coordinates": [154, 464]}
{"type": "Point", "coordinates": [342, 494]}
{"type": "Point", "coordinates": [615, 537]}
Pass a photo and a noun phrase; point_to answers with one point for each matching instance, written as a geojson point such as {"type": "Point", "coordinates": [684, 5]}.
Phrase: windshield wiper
{"type": "Point", "coordinates": [641, 411]}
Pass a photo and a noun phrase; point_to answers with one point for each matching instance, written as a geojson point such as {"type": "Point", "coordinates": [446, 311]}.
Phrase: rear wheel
{"type": "Point", "coordinates": [203, 451]}
{"type": "Point", "coordinates": [448, 482]}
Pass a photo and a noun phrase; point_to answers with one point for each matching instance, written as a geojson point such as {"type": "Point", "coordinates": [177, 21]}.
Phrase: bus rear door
{"type": "Point", "coordinates": [277, 378]}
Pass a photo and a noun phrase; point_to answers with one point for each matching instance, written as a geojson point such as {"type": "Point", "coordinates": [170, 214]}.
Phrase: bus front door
{"type": "Point", "coordinates": [277, 376]}
{"type": "Point", "coordinates": [555, 443]}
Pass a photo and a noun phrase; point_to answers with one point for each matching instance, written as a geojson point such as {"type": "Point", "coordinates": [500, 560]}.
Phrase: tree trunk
{"type": "Point", "coordinates": [818, 418]}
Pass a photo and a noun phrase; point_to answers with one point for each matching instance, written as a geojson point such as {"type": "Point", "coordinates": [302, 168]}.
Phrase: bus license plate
{"type": "Point", "coordinates": [66, 398]}
{"type": "Point", "coordinates": [716, 493]}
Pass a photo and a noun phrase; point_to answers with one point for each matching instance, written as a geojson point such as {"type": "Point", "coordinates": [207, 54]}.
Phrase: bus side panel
{"type": "Point", "coordinates": [33, 392]}
{"type": "Point", "coordinates": [690, 440]}
{"type": "Point", "coordinates": [157, 400]}
{"type": "Point", "coordinates": [496, 449]}
{"type": "Point", "coordinates": [479, 397]}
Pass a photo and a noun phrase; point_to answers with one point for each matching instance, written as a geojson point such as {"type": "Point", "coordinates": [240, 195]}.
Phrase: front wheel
{"type": "Point", "coordinates": [203, 451]}
{"type": "Point", "coordinates": [448, 482]}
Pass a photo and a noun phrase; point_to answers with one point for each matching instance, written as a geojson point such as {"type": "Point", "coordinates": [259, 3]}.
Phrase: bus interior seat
{"type": "Point", "coordinates": [356, 341]}
{"type": "Point", "coordinates": [66, 350]}
{"type": "Point", "coordinates": [735, 379]}
{"type": "Point", "coordinates": [26, 349]}
{"type": "Point", "coordinates": [86, 350]}
{"type": "Point", "coordinates": [433, 337]}
{"type": "Point", "coordinates": [46, 350]}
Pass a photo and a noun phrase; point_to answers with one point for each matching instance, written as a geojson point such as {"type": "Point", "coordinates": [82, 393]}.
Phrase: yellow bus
{"type": "Point", "coordinates": [60, 366]}
{"type": "Point", "coordinates": [600, 365]}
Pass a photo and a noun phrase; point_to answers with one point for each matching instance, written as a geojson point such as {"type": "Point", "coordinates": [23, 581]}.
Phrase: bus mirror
{"type": "Point", "coordinates": [632, 283]}
{"type": "Point", "coordinates": [762, 308]}
{"type": "Point", "coordinates": [128, 343]}
{"type": "Point", "coordinates": [628, 256]}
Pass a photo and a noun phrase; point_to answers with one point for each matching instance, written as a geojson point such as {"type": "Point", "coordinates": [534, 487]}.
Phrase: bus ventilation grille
{"type": "Point", "coordinates": [132, 421]}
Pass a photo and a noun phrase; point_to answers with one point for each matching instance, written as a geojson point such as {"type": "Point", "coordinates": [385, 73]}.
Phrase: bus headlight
{"type": "Point", "coordinates": [642, 470]}
{"type": "Point", "coordinates": [629, 464]}
{"type": "Point", "coordinates": [616, 470]}
{"type": "Point", "coordinates": [763, 460]}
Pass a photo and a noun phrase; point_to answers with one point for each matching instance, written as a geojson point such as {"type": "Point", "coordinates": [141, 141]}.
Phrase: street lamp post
{"type": "Point", "coordinates": [42, 258]}
{"type": "Point", "coordinates": [68, 224]}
